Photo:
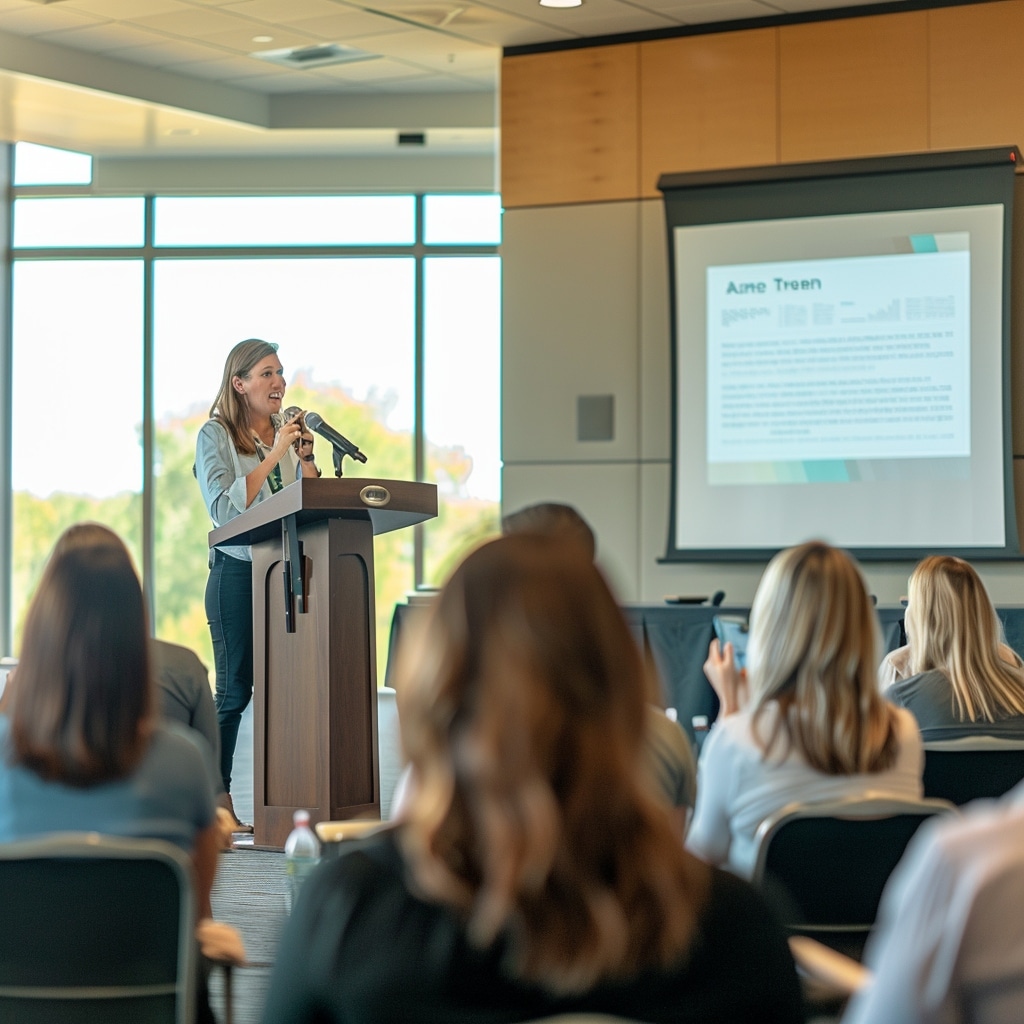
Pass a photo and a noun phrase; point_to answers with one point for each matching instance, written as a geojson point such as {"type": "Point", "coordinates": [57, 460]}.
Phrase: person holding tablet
{"type": "Point", "coordinates": [805, 720]}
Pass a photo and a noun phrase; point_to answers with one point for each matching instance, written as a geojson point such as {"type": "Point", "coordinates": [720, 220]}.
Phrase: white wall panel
{"type": "Point", "coordinates": [606, 495]}
{"type": "Point", "coordinates": [655, 334]}
{"type": "Point", "coordinates": [570, 328]}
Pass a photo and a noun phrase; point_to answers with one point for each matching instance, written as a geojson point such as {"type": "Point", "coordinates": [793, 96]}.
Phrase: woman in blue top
{"type": "Point", "coordinates": [245, 452]}
{"type": "Point", "coordinates": [82, 748]}
{"type": "Point", "coordinates": [81, 745]}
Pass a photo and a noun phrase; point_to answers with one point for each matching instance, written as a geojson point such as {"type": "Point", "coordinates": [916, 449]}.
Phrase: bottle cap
{"type": "Point", "coordinates": [301, 817]}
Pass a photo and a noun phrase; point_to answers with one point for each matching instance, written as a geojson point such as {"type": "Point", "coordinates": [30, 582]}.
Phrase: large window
{"type": "Point", "coordinates": [386, 312]}
{"type": "Point", "coordinates": [76, 407]}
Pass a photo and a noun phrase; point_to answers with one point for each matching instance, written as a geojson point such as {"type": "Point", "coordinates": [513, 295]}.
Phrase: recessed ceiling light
{"type": "Point", "coordinates": [561, 3]}
{"type": "Point", "coordinates": [262, 39]}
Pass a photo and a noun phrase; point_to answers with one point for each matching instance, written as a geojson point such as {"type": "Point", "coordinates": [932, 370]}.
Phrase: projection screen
{"type": "Point", "coordinates": [841, 346]}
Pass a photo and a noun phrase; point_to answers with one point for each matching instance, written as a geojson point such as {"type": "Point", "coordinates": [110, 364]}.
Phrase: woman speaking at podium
{"type": "Point", "coordinates": [245, 452]}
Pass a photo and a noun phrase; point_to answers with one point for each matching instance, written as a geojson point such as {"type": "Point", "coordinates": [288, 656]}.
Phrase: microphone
{"type": "Point", "coordinates": [279, 419]}
{"type": "Point", "coordinates": [316, 422]}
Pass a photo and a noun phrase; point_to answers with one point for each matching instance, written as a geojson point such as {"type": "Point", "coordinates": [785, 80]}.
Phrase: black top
{"type": "Point", "coordinates": [360, 948]}
{"type": "Point", "coordinates": [928, 696]}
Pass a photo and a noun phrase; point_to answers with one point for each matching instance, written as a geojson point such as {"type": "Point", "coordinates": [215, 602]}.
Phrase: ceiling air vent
{"type": "Point", "coordinates": [321, 55]}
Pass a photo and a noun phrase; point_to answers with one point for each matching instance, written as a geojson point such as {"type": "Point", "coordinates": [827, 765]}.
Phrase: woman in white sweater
{"type": "Point", "coordinates": [804, 722]}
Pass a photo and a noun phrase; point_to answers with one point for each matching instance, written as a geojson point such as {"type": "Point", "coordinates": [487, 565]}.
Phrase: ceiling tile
{"type": "Point", "coordinates": [801, 6]}
{"type": "Point", "coordinates": [283, 12]}
{"type": "Point", "coordinates": [572, 22]}
{"type": "Point", "coordinates": [418, 45]}
{"type": "Point", "coordinates": [473, 22]}
{"type": "Point", "coordinates": [167, 53]}
{"type": "Point", "coordinates": [375, 71]}
{"type": "Point", "coordinates": [723, 10]}
{"type": "Point", "coordinates": [107, 37]}
{"type": "Point", "coordinates": [128, 9]}
{"type": "Point", "coordinates": [616, 22]}
{"type": "Point", "coordinates": [242, 41]}
{"type": "Point", "coordinates": [33, 20]}
{"type": "Point", "coordinates": [197, 23]}
{"type": "Point", "coordinates": [344, 27]}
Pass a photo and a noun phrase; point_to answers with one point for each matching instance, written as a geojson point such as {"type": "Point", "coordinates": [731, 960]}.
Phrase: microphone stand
{"type": "Point", "coordinates": [339, 454]}
{"type": "Point", "coordinates": [340, 451]}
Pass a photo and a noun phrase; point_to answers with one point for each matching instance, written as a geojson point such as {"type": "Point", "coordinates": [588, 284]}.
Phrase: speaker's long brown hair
{"type": "Point", "coordinates": [82, 698]}
{"type": "Point", "coordinates": [522, 713]}
{"type": "Point", "coordinates": [231, 408]}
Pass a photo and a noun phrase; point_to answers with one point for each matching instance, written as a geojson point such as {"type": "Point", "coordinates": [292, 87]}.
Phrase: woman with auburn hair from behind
{"type": "Point", "coordinates": [805, 722]}
{"type": "Point", "coordinates": [532, 873]}
{"type": "Point", "coordinates": [82, 749]}
{"type": "Point", "coordinates": [964, 681]}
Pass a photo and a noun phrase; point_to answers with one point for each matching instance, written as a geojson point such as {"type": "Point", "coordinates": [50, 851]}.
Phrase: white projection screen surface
{"type": "Point", "coordinates": [841, 342]}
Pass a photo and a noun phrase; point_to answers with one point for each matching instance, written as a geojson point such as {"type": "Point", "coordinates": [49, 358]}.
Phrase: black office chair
{"type": "Point", "coordinates": [96, 930]}
{"type": "Point", "coordinates": [827, 863]}
{"type": "Point", "coordinates": [972, 767]}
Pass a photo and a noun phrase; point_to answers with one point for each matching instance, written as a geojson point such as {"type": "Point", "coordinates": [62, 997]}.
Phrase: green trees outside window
{"type": "Point", "coordinates": [395, 345]}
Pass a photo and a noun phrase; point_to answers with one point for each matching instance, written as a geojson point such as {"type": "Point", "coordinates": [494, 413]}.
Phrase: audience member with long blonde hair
{"type": "Point", "coordinates": [805, 721]}
{"type": "Point", "coordinates": [534, 872]}
{"type": "Point", "coordinates": [964, 680]}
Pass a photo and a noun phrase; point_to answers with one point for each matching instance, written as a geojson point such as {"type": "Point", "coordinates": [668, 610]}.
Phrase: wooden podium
{"type": "Point", "coordinates": [314, 643]}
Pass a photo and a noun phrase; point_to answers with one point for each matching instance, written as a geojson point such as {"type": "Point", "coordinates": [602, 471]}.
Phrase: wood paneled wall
{"type": "Point", "coordinates": [854, 88]}
{"type": "Point", "coordinates": [602, 124]}
{"type": "Point", "coordinates": [707, 102]}
{"type": "Point", "coordinates": [569, 126]}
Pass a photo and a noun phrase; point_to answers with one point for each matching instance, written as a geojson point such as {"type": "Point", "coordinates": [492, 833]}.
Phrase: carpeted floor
{"type": "Point", "coordinates": [250, 893]}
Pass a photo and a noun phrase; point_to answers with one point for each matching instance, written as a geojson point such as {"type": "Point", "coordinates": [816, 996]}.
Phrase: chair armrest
{"type": "Point", "coordinates": [818, 963]}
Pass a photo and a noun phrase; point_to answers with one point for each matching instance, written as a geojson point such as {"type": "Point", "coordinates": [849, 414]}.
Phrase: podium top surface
{"type": "Point", "coordinates": [387, 504]}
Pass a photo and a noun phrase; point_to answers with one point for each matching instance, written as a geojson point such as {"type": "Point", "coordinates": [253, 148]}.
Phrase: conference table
{"type": "Point", "coordinates": [676, 638]}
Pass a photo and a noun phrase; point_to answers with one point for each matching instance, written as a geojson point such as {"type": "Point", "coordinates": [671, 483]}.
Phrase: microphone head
{"type": "Point", "coordinates": [279, 419]}
{"type": "Point", "coordinates": [314, 420]}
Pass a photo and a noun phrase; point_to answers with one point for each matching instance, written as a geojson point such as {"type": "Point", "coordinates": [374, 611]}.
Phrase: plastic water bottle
{"type": "Point", "coordinates": [301, 853]}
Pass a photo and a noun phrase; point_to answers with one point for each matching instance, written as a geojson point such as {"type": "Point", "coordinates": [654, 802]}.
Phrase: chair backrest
{"type": "Point", "coordinates": [583, 1018]}
{"type": "Point", "coordinates": [829, 862]}
{"type": "Point", "coordinates": [970, 768]}
{"type": "Point", "coordinates": [96, 929]}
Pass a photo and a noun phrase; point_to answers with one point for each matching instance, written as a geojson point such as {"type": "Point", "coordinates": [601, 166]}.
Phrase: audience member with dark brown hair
{"type": "Point", "coordinates": [534, 872]}
{"type": "Point", "coordinates": [82, 745]}
{"type": "Point", "coordinates": [670, 757]}
{"type": "Point", "coordinates": [553, 519]}
{"type": "Point", "coordinates": [805, 721]}
{"type": "Point", "coordinates": [183, 686]}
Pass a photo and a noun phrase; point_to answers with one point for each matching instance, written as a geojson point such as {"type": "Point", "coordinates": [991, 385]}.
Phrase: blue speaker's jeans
{"type": "Point", "coordinates": [229, 612]}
